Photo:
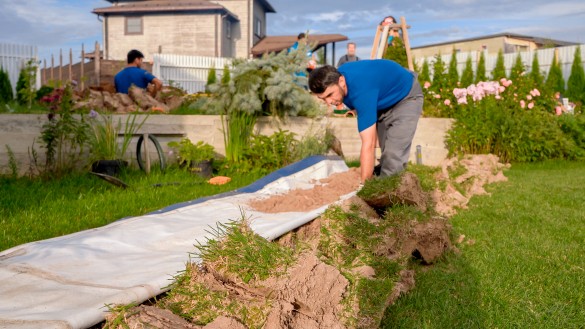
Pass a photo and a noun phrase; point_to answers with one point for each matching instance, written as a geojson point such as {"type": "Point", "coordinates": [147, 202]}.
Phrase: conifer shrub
{"type": "Point", "coordinates": [555, 81]}
{"type": "Point", "coordinates": [499, 70]}
{"type": "Point", "coordinates": [6, 94]}
{"type": "Point", "coordinates": [576, 82]}
{"type": "Point", "coordinates": [452, 74]}
{"type": "Point", "coordinates": [425, 73]}
{"type": "Point", "coordinates": [467, 75]}
{"type": "Point", "coordinates": [480, 75]}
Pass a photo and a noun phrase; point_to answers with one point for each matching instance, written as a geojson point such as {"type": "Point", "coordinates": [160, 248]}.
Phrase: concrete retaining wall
{"type": "Point", "coordinates": [21, 133]}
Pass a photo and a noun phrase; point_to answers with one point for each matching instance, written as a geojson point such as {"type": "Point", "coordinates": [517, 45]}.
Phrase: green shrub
{"type": "Point", "coordinates": [535, 73]}
{"type": "Point", "coordinates": [268, 153]}
{"type": "Point", "coordinates": [6, 94]}
{"type": "Point", "coordinates": [425, 74]}
{"type": "Point", "coordinates": [25, 86]}
{"type": "Point", "coordinates": [225, 77]}
{"type": "Point", "coordinates": [576, 82]}
{"type": "Point", "coordinates": [439, 78]}
{"type": "Point", "coordinates": [517, 69]}
{"type": "Point", "coordinates": [512, 129]}
{"type": "Point", "coordinates": [397, 52]}
{"type": "Point", "coordinates": [500, 69]}
{"type": "Point", "coordinates": [452, 74]}
{"type": "Point", "coordinates": [555, 81]}
{"type": "Point", "coordinates": [480, 74]}
{"type": "Point", "coordinates": [211, 78]}
{"type": "Point", "coordinates": [467, 75]}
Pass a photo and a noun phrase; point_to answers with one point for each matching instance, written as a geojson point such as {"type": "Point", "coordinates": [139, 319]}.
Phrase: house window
{"type": "Point", "coordinates": [134, 25]}
{"type": "Point", "coordinates": [257, 27]}
{"type": "Point", "coordinates": [228, 29]}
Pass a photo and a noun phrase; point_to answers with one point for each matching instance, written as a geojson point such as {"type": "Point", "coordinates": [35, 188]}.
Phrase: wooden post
{"type": "Point", "coordinates": [97, 63]}
{"type": "Point", "coordinates": [70, 65]}
{"type": "Point", "coordinates": [44, 75]}
{"type": "Point", "coordinates": [60, 66]}
{"type": "Point", "coordinates": [52, 67]}
{"type": "Point", "coordinates": [81, 72]}
{"type": "Point", "coordinates": [406, 43]}
{"type": "Point", "coordinates": [383, 42]}
{"type": "Point", "coordinates": [376, 43]}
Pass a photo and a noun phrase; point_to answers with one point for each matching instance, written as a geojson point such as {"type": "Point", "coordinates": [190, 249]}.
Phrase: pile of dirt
{"type": "Point", "coordinates": [327, 190]}
{"type": "Point", "coordinates": [312, 293]}
{"type": "Point", "coordinates": [137, 99]}
{"type": "Point", "coordinates": [480, 170]}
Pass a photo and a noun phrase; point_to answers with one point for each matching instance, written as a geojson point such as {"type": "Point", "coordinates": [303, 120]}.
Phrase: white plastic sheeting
{"type": "Point", "coordinates": [66, 282]}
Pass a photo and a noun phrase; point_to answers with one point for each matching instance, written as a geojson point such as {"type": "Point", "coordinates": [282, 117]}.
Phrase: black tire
{"type": "Point", "coordinates": [159, 151]}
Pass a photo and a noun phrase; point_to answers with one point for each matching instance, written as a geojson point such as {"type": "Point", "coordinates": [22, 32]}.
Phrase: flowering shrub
{"type": "Point", "coordinates": [511, 119]}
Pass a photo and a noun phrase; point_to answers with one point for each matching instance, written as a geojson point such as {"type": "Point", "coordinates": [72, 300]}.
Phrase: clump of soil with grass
{"type": "Point", "coordinates": [342, 270]}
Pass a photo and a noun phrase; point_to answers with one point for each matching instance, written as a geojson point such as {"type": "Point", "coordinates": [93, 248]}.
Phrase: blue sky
{"type": "Point", "coordinates": [54, 24]}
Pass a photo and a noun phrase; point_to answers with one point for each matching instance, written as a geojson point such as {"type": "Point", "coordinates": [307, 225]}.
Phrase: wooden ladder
{"type": "Point", "coordinates": [381, 41]}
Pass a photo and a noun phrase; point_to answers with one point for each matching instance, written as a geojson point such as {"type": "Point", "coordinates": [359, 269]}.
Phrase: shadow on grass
{"type": "Point", "coordinates": [446, 295]}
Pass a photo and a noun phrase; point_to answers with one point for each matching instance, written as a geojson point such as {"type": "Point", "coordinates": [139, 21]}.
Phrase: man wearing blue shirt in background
{"type": "Point", "coordinates": [388, 100]}
{"type": "Point", "coordinates": [134, 75]}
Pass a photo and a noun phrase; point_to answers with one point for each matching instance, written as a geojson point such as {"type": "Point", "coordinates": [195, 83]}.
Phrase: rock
{"type": "Point", "coordinates": [124, 99]}
{"type": "Point", "coordinates": [110, 101]}
{"type": "Point", "coordinates": [145, 101]}
{"type": "Point", "coordinates": [364, 271]}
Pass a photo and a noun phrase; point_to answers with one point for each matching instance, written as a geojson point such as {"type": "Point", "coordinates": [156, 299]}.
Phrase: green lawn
{"type": "Point", "coordinates": [39, 209]}
{"type": "Point", "coordinates": [526, 267]}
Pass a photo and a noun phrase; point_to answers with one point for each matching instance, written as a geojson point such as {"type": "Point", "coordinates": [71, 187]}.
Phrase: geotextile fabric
{"type": "Point", "coordinates": [66, 282]}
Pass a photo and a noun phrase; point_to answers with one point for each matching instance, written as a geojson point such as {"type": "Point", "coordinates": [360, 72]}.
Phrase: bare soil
{"type": "Point", "coordinates": [310, 295]}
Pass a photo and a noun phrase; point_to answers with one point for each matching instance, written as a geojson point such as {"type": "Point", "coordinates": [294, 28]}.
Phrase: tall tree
{"type": "Point", "coordinates": [499, 70]}
{"type": "Point", "coordinates": [576, 82]}
{"type": "Point", "coordinates": [555, 81]}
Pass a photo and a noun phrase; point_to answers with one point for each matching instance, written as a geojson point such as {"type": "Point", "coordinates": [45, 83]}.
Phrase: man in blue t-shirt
{"type": "Point", "coordinates": [134, 75]}
{"type": "Point", "coordinates": [388, 100]}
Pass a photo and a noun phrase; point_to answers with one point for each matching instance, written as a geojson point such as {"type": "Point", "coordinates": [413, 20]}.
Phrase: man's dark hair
{"type": "Point", "coordinates": [323, 77]}
{"type": "Point", "coordinates": [134, 54]}
{"type": "Point", "coordinates": [301, 36]}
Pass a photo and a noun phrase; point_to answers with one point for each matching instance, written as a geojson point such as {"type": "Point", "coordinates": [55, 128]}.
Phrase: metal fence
{"type": "Point", "coordinates": [14, 57]}
{"type": "Point", "coordinates": [187, 72]}
{"type": "Point", "coordinates": [545, 56]}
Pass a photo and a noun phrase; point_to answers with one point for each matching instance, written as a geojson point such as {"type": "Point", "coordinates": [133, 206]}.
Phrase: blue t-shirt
{"type": "Point", "coordinates": [132, 76]}
{"type": "Point", "coordinates": [374, 85]}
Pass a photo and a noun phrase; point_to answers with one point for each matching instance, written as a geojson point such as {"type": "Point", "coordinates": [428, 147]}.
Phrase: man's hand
{"type": "Point", "coordinates": [157, 87]}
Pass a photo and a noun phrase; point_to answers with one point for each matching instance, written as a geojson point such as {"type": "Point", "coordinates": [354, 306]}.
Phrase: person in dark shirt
{"type": "Point", "coordinates": [350, 56]}
{"type": "Point", "coordinates": [388, 100]}
{"type": "Point", "coordinates": [132, 74]}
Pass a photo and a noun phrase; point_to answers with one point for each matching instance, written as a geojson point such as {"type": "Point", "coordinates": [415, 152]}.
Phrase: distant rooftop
{"type": "Point", "coordinates": [278, 43]}
{"type": "Point", "coordinates": [538, 40]}
{"type": "Point", "coordinates": [158, 6]}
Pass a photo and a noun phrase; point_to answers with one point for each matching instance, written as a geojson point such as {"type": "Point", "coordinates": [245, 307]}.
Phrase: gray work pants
{"type": "Point", "coordinates": [396, 127]}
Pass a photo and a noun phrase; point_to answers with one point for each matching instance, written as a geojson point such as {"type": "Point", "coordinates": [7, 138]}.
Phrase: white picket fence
{"type": "Point", "coordinates": [545, 57]}
{"type": "Point", "coordinates": [187, 72]}
{"type": "Point", "coordinates": [13, 58]}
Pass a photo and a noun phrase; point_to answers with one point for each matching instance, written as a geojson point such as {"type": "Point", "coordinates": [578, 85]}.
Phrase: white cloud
{"type": "Point", "coordinates": [327, 17]}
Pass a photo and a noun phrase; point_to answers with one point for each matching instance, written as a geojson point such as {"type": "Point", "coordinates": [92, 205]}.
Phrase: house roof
{"type": "Point", "coordinates": [278, 43]}
{"type": "Point", "coordinates": [537, 40]}
{"type": "Point", "coordinates": [158, 6]}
